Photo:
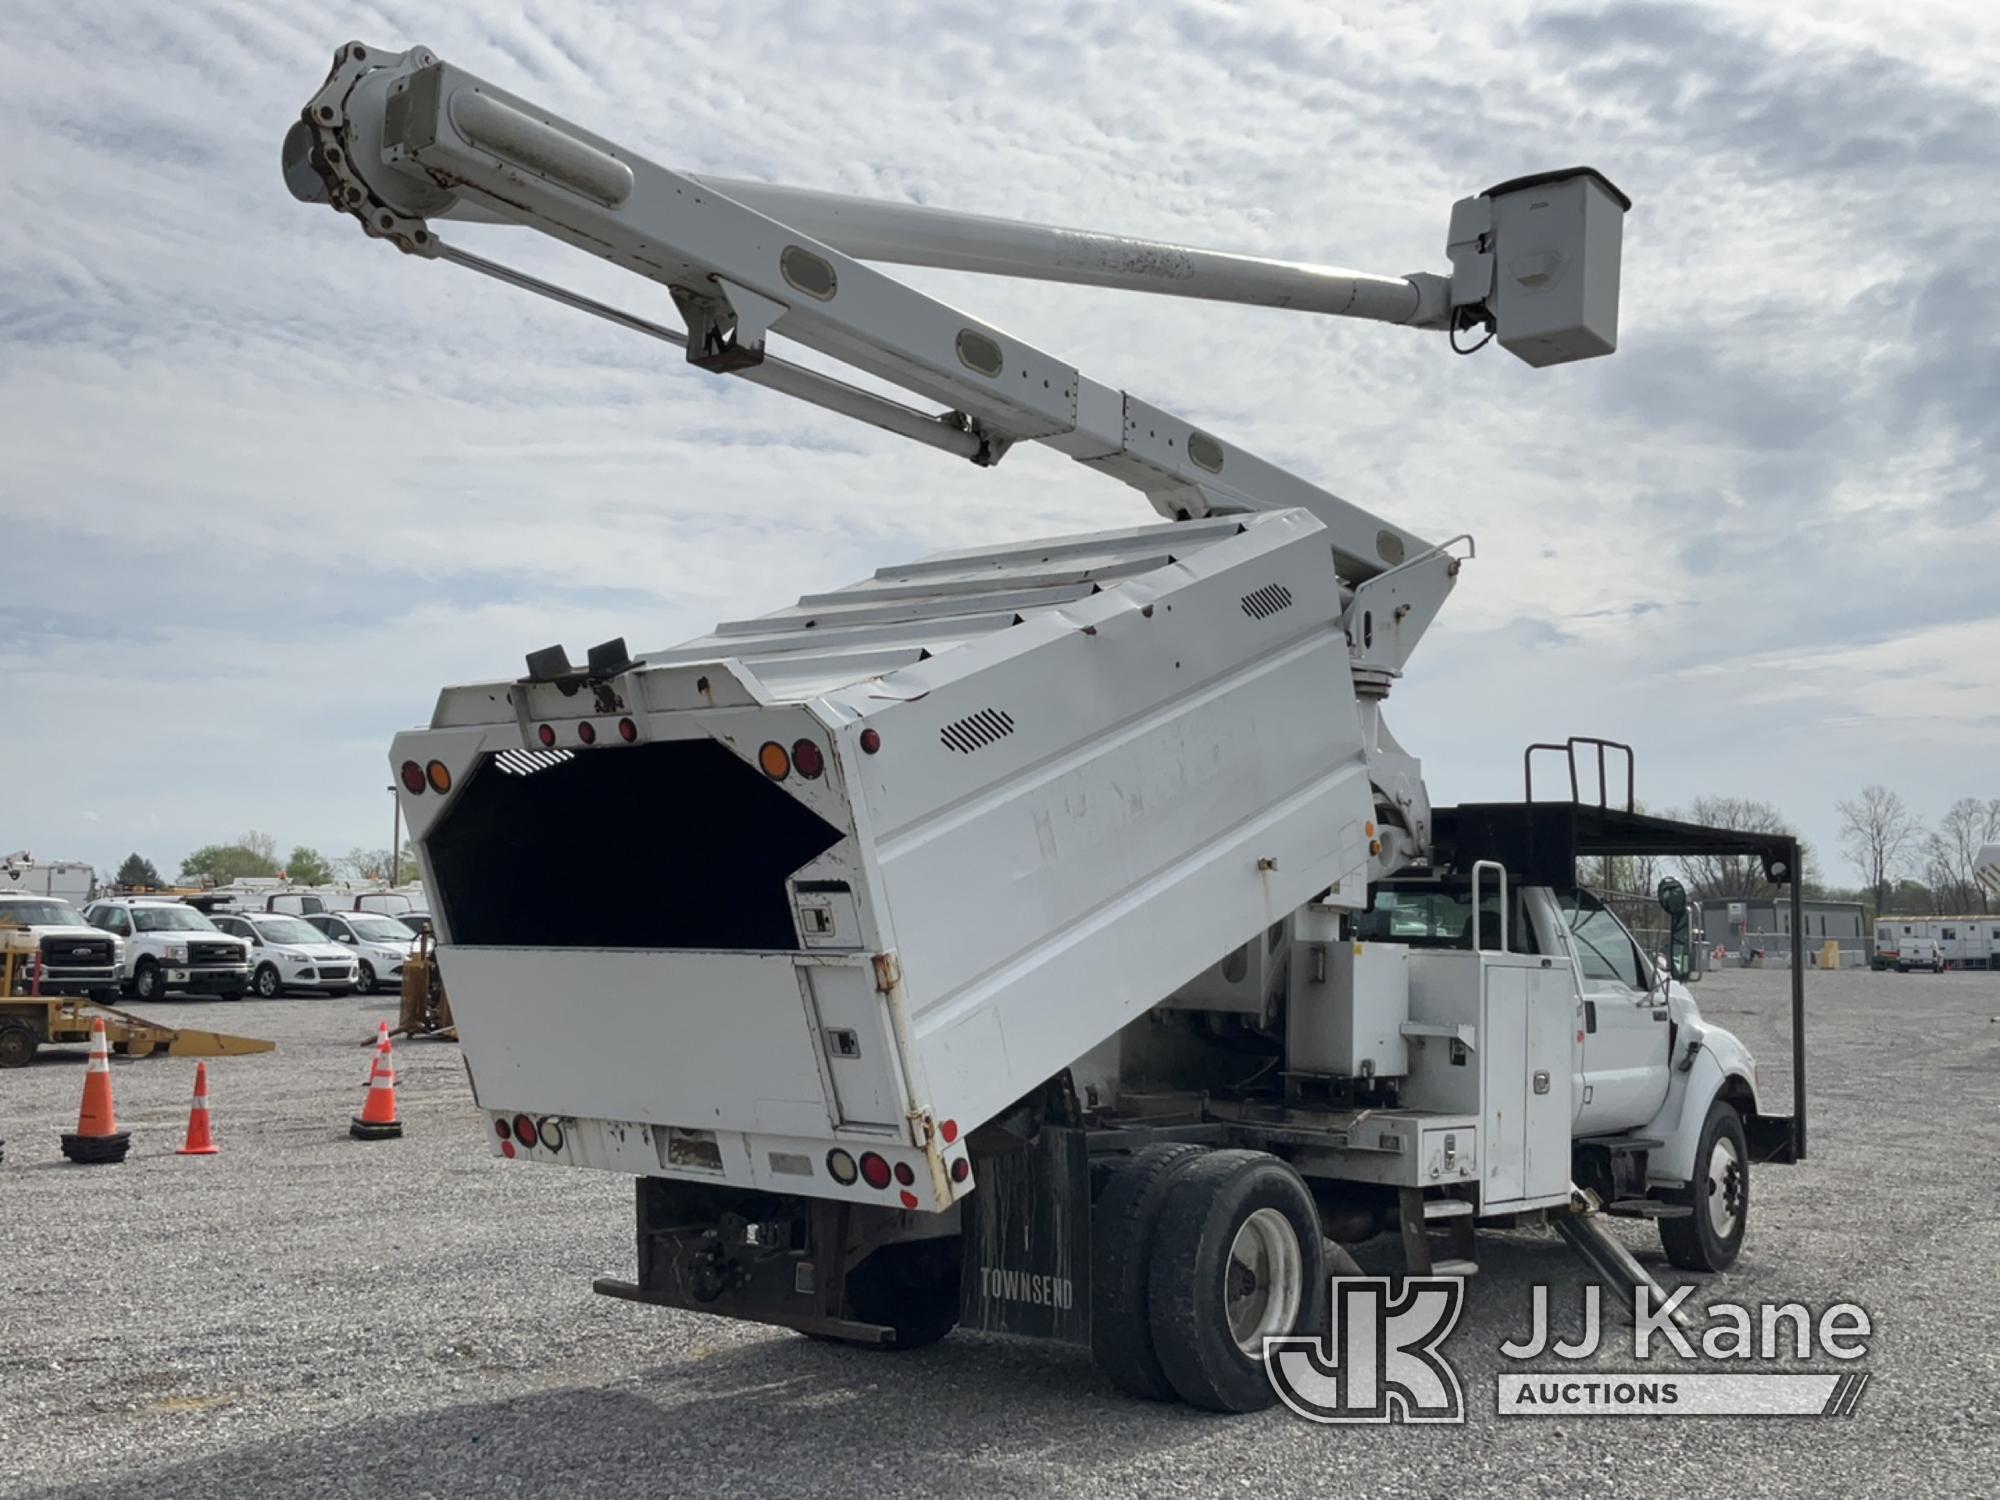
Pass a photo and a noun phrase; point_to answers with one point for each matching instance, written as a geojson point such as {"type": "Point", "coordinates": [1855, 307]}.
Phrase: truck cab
{"type": "Point", "coordinates": [71, 957]}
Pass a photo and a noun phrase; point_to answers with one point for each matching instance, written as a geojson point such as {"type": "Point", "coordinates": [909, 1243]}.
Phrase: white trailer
{"type": "Point", "coordinates": [65, 879]}
{"type": "Point", "coordinates": [1049, 938]}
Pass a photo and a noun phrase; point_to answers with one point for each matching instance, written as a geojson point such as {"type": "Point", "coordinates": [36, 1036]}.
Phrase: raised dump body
{"type": "Point", "coordinates": [867, 870]}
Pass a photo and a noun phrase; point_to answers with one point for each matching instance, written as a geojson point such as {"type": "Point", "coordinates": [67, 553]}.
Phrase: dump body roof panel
{"type": "Point", "coordinates": [913, 611]}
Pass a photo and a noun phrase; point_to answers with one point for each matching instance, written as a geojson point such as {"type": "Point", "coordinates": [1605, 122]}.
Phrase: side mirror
{"type": "Point", "coordinates": [1680, 931]}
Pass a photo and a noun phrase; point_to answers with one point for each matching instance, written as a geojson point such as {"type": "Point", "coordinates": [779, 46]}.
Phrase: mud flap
{"type": "Point", "coordinates": [1027, 1240]}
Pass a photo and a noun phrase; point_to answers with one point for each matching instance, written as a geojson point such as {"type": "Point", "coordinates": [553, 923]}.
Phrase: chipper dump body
{"type": "Point", "coordinates": [873, 867]}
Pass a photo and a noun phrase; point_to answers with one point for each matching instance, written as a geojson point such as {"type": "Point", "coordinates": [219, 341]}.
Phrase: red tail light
{"type": "Point", "coordinates": [502, 1129]}
{"type": "Point", "coordinates": [413, 776]}
{"type": "Point", "coordinates": [870, 742]}
{"type": "Point", "coordinates": [807, 760]}
{"type": "Point", "coordinates": [546, 734]}
{"type": "Point", "coordinates": [874, 1170]}
{"type": "Point", "coordinates": [960, 1170]}
{"type": "Point", "coordinates": [627, 731]}
{"type": "Point", "coordinates": [524, 1130]}
{"type": "Point", "coordinates": [905, 1174]}
{"type": "Point", "coordinates": [587, 732]}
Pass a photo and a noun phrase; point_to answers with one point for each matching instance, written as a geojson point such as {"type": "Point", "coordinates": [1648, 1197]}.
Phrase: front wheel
{"type": "Point", "coordinates": [148, 983]}
{"type": "Point", "coordinates": [18, 1045]}
{"type": "Point", "coordinates": [365, 982]}
{"type": "Point", "coordinates": [1711, 1236]}
{"type": "Point", "coordinates": [267, 983]}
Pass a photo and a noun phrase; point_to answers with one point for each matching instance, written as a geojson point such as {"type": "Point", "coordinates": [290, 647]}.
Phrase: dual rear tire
{"type": "Point", "coordinates": [1199, 1256]}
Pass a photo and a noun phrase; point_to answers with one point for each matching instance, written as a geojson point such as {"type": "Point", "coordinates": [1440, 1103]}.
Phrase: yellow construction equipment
{"type": "Point", "coordinates": [30, 1021]}
{"type": "Point", "coordinates": [425, 1010]}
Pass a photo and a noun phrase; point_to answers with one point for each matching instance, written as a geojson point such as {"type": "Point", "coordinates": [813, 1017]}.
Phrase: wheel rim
{"type": "Point", "coordinates": [1263, 1284]}
{"type": "Point", "coordinates": [267, 983]}
{"type": "Point", "coordinates": [364, 980]}
{"type": "Point", "coordinates": [1725, 1188]}
{"type": "Point", "coordinates": [148, 979]}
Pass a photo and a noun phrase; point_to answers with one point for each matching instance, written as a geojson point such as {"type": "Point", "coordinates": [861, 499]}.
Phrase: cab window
{"type": "Point", "coordinates": [1604, 948]}
{"type": "Point", "coordinates": [1441, 917]}
{"type": "Point", "coordinates": [112, 919]}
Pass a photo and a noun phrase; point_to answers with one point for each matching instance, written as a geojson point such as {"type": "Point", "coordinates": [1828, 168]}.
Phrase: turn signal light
{"type": "Point", "coordinates": [874, 1170]}
{"type": "Point", "coordinates": [439, 775]}
{"type": "Point", "coordinates": [776, 763]}
{"type": "Point", "coordinates": [413, 777]}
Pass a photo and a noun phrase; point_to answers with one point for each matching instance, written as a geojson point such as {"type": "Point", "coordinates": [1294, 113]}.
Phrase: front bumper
{"type": "Point", "coordinates": [321, 977]}
{"type": "Point", "coordinates": [208, 977]}
{"type": "Point", "coordinates": [76, 979]}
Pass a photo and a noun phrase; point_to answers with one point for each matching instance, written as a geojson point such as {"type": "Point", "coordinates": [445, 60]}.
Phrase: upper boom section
{"type": "Point", "coordinates": [401, 140]}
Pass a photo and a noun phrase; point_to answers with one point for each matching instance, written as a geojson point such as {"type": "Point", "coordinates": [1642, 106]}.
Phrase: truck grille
{"type": "Point", "coordinates": [66, 952]}
{"type": "Point", "coordinates": [214, 953]}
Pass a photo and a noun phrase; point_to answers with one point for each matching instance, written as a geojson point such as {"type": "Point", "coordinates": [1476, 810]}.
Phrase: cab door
{"type": "Point", "coordinates": [1621, 1075]}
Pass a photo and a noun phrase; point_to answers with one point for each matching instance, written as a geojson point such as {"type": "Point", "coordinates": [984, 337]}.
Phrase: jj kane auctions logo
{"type": "Point", "coordinates": [1382, 1361]}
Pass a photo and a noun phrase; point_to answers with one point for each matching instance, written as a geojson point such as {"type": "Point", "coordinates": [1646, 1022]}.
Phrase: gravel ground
{"type": "Point", "coordinates": [308, 1315]}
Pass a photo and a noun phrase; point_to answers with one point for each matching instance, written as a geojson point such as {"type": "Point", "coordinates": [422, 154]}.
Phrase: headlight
{"type": "Point", "coordinates": [177, 953]}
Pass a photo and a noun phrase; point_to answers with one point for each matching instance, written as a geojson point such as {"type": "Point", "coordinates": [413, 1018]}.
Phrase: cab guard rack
{"type": "Point", "coordinates": [1540, 843]}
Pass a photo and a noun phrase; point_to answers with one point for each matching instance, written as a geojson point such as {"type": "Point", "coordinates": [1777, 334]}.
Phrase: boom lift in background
{"type": "Point", "coordinates": [1001, 935]}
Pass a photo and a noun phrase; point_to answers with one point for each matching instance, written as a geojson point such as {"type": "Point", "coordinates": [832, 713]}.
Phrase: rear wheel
{"type": "Point", "coordinates": [1123, 1223]}
{"type": "Point", "coordinates": [1711, 1236]}
{"type": "Point", "coordinates": [17, 1045]}
{"type": "Point", "coordinates": [911, 1287]}
{"type": "Point", "coordinates": [1238, 1259]}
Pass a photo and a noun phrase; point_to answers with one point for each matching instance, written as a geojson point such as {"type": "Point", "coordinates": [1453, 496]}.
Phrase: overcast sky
{"type": "Point", "coordinates": [268, 484]}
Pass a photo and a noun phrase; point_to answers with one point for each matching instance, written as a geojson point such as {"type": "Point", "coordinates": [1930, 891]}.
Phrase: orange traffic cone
{"type": "Point", "coordinates": [199, 1141]}
{"type": "Point", "coordinates": [97, 1138]}
{"type": "Point", "coordinates": [377, 1120]}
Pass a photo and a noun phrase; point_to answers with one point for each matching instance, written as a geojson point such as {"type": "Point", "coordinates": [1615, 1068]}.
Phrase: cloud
{"type": "Point", "coordinates": [269, 484]}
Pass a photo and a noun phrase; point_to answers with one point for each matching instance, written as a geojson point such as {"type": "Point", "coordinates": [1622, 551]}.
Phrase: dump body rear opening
{"type": "Point", "coordinates": [672, 845]}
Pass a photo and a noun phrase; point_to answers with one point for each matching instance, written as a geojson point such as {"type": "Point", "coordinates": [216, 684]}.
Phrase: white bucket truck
{"type": "Point", "coordinates": [1048, 938]}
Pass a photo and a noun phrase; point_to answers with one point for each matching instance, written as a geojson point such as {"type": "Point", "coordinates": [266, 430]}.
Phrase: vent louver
{"type": "Point", "coordinates": [527, 762]}
{"type": "Point", "coordinates": [1262, 603]}
{"type": "Point", "coordinates": [976, 730]}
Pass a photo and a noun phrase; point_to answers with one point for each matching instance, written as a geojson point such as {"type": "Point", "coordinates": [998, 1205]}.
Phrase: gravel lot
{"type": "Point", "coordinates": [305, 1314]}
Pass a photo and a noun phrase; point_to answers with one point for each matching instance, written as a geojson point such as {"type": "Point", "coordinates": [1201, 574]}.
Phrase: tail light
{"type": "Point", "coordinates": [502, 1129]}
{"type": "Point", "coordinates": [413, 777]}
{"type": "Point", "coordinates": [874, 1170]}
{"type": "Point", "coordinates": [870, 742]}
{"type": "Point", "coordinates": [546, 734]}
{"type": "Point", "coordinates": [960, 1170]}
{"type": "Point", "coordinates": [806, 756]}
{"type": "Point", "coordinates": [905, 1174]}
{"type": "Point", "coordinates": [627, 731]}
{"type": "Point", "coordinates": [439, 776]}
{"type": "Point", "coordinates": [587, 732]}
{"type": "Point", "coordinates": [524, 1130]}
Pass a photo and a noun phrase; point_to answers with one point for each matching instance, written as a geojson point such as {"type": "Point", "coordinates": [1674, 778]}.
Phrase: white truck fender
{"type": "Point", "coordinates": [1721, 1065]}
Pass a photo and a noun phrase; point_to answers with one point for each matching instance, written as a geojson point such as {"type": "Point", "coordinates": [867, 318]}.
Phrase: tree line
{"type": "Point", "coordinates": [254, 855]}
{"type": "Point", "coordinates": [1910, 866]}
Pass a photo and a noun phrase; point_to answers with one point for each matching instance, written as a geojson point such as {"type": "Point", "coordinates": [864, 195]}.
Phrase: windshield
{"type": "Point", "coordinates": [416, 921]}
{"type": "Point", "coordinates": [380, 929]}
{"type": "Point", "coordinates": [288, 930]}
{"type": "Point", "coordinates": [1603, 947]}
{"type": "Point", "coordinates": [39, 914]}
{"type": "Point", "coordinates": [171, 919]}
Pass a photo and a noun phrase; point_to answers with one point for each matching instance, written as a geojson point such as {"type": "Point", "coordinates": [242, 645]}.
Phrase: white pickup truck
{"type": "Point", "coordinates": [169, 946]}
{"type": "Point", "coordinates": [1047, 938]}
{"type": "Point", "coordinates": [74, 957]}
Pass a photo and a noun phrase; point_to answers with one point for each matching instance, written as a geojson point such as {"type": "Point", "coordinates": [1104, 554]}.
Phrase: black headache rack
{"type": "Point", "coordinates": [1539, 843]}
